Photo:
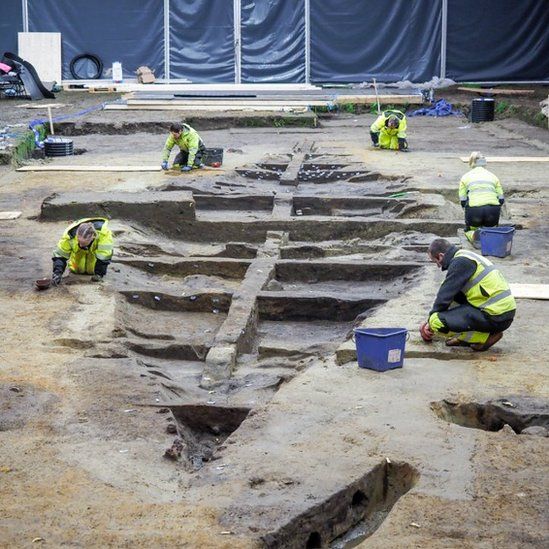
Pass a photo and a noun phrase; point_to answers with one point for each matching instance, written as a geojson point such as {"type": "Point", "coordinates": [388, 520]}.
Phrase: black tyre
{"type": "Point", "coordinates": [86, 67]}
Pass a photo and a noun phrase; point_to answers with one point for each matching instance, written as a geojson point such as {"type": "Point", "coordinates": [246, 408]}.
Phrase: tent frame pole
{"type": "Point", "coordinates": [167, 68]}
{"type": "Point", "coordinates": [237, 41]}
{"type": "Point", "coordinates": [307, 41]}
{"type": "Point", "coordinates": [444, 38]}
{"type": "Point", "coordinates": [25, 8]}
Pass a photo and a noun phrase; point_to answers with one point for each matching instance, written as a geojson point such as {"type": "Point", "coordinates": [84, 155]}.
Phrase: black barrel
{"type": "Point", "coordinates": [58, 146]}
{"type": "Point", "coordinates": [482, 109]}
{"type": "Point", "coordinates": [213, 156]}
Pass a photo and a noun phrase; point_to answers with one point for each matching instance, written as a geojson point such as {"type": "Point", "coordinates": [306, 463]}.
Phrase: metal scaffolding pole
{"type": "Point", "coordinates": [444, 35]}
{"type": "Point", "coordinates": [307, 41]}
{"type": "Point", "coordinates": [167, 67]}
{"type": "Point", "coordinates": [237, 42]}
{"type": "Point", "coordinates": [25, 8]}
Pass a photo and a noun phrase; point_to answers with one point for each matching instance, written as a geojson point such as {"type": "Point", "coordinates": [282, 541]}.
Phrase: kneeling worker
{"type": "Point", "coordinates": [389, 131]}
{"type": "Point", "coordinates": [481, 194]}
{"type": "Point", "coordinates": [191, 148]}
{"type": "Point", "coordinates": [87, 246]}
{"type": "Point", "coordinates": [474, 305]}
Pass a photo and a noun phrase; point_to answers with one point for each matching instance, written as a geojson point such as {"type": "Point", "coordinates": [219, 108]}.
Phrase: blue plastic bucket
{"type": "Point", "coordinates": [380, 349]}
{"type": "Point", "coordinates": [496, 241]}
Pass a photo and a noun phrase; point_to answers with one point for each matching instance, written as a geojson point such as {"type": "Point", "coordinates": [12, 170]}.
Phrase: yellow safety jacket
{"type": "Point", "coordinates": [480, 187]}
{"type": "Point", "coordinates": [82, 260]}
{"type": "Point", "coordinates": [487, 289]}
{"type": "Point", "coordinates": [388, 137]}
{"type": "Point", "coordinates": [189, 141]}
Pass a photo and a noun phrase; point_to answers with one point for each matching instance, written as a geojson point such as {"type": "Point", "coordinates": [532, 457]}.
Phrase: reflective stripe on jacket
{"type": "Point", "coordinates": [188, 141]}
{"type": "Point", "coordinates": [486, 289]}
{"type": "Point", "coordinates": [82, 260]}
{"type": "Point", "coordinates": [480, 187]}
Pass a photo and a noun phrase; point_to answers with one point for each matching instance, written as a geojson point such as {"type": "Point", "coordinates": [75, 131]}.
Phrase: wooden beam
{"type": "Point", "coordinates": [80, 168]}
{"type": "Point", "coordinates": [41, 105]}
{"type": "Point", "coordinates": [9, 215]}
{"type": "Point", "coordinates": [383, 99]}
{"type": "Point", "coordinates": [230, 102]}
{"type": "Point", "coordinates": [194, 108]}
{"type": "Point", "coordinates": [511, 158]}
{"type": "Point", "coordinates": [530, 291]}
{"type": "Point", "coordinates": [498, 91]}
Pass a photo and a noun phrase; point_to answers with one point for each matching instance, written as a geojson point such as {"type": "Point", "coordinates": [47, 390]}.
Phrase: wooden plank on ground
{"type": "Point", "coordinates": [530, 291]}
{"type": "Point", "coordinates": [511, 158]}
{"type": "Point", "coordinates": [39, 105]}
{"type": "Point", "coordinates": [192, 102]}
{"type": "Point", "coordinates": [383, 99]}
{"type": "Point", "coordinates": [9, 215]}
{"type": "Point", "coordinates": [497, 91]}
{"type": "Point", "coordinates": [81, 168]}
{"type": "Point", "coordinates": [194, 108]}
{"type": "Point", "coordinates": [175, 87]}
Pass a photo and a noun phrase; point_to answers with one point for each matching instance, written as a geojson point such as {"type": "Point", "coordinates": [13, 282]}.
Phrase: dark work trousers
{"type": "Point", "coordinates": [481, 216]}
{"type": "Point", "coordinates": [466, 318]}
{"type": "Point", "coordinates": [183, 156]}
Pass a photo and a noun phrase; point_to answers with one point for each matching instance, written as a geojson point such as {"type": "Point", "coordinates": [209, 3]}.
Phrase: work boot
{"type": "Point", "coordinates": [455, 342]}
{"type": "Point", "coordinates": [492, 340]}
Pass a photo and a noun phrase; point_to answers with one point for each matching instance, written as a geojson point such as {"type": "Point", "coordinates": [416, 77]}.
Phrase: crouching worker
{"type": "Point", "coordinates": [389, 131]}
{"type": "Point", "coordinates": [474, 304]}
{"type": "Point", "coordinates": [87, 246]}
{"type": "Point", "coordinates": [481, 194]}
{"type": "Point", "coordinates": [191, 148]}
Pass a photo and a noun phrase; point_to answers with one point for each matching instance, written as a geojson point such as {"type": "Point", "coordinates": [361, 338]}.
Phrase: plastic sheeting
{"type": "Point", "coordinates": [357, 40]}
{"type": "Point", "coordinates": [273, 41]}
{"type": "Point", "coordinates": [128, 31]}
{"type": "Point", "coordinates": [498, 40]}
{"type": "Point", "coordinates": [350, 40]}
{"type": "Point", "coordinates": [11, 22]}
{"type": "Point", "coordinates": [202, 40]}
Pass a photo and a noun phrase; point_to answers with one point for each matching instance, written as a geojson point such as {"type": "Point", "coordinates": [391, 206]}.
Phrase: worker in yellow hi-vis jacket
{"type": "Point", "coordinates": [191, 148]}
{"type": "Point", "coordinates": [87, 246]}
{"type": "Point", "coordinates": [474, 304]}
{"type": "Point", "coordinates": [481, 195]}
{"type": "Point", "coordinates": [389, 131]}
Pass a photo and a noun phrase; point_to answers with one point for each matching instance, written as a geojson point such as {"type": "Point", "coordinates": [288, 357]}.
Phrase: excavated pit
{"type": "Point", "coordinates": [203, 428]}
{"type": "Point", "coordinates": [349, 516]}
{"type": "Point", "coordinates": [229, 286]}
{"type": "Point", "coordinates": [519, 412]}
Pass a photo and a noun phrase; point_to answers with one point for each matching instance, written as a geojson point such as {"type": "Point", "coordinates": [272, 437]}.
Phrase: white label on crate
{"type": "Point", "coordinates": [509, 244]}
{"type": "Point", "coordinates": [394, 355]}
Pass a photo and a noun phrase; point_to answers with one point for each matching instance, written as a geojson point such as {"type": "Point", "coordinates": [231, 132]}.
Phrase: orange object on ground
{"type": "Point", "coordinates": [425, 332]}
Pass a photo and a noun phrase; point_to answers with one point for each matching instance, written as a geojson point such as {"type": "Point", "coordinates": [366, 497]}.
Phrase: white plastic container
{"type": "Point", "coordinates": [117, 72]}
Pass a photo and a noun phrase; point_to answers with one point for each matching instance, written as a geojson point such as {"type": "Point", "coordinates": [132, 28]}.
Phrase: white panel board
{"type": "Point", "coordinates": [530, 291]}
{"type": "Point", "coordinates": [43, 51]}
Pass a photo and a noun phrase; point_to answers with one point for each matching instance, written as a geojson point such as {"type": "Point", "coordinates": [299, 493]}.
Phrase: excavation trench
{"type": "Point", "coordinates": [521, 413]}
{"type": "Point", "coordinates": [223, 297]}
{"type": "Point", "coordinates": [204, 428]}
{"type": "Point", "coordinates": [349, 516]}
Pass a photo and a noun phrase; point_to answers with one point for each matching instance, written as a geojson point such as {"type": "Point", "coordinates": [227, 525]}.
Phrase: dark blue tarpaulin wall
{"type": "Point", "coordinates": [273, 41]}
{"type": "Point", "coordinates": [350, 40]}
{"type": "Point", "coordinates": [202, 40]}
{"type": "Point", "coordinates": [11, 22]}
{"type": "Point", "coordinates": [494, 40]}
{"type": "Point", "coordinates": [356, 40]}
{"type": "Point", "coordinates": [128, 31]}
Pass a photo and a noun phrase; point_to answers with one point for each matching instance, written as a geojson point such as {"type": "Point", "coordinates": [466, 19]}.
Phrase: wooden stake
{"type": "Point", "coordinates": [51, 120]}
{"type": "Point", "coordinates": [377, 98]}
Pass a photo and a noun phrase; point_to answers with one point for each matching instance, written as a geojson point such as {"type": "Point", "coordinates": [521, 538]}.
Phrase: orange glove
{"type": "Point", "coordinates": [426, 332]}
